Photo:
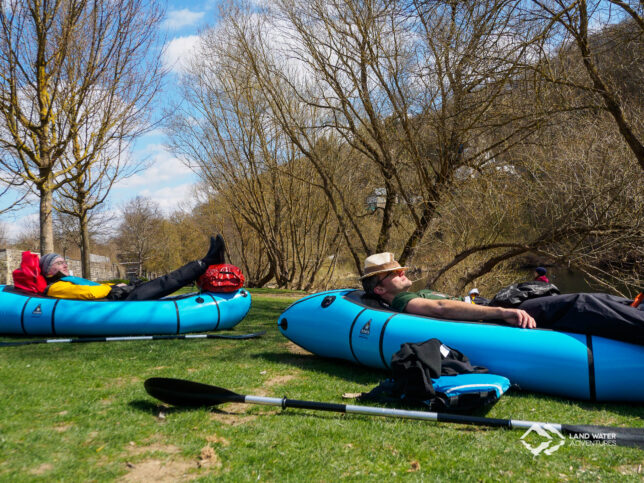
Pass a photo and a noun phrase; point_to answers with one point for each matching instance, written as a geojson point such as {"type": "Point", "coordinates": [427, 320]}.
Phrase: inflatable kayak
{"type": "Point", "coordinates": [22, 313]}
{"type": "Point", "coordinates": [347, 325]}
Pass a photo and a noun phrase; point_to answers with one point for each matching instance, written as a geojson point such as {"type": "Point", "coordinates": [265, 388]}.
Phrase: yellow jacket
{"type": "Point", "coordinates": [78, 289]}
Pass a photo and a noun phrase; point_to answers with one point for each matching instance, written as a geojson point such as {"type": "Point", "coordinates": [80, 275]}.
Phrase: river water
{"type": "Point", "coordinates": [568, 281]}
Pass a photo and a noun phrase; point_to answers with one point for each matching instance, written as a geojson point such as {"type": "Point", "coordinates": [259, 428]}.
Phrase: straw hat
{"type": "Point", "coordinates": [380, 263]}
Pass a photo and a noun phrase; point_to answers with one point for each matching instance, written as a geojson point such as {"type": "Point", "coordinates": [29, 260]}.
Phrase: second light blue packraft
{"type": "Point", "coordinates": [344, 324]}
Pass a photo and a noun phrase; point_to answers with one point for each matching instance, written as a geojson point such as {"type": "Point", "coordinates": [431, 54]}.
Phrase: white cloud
{"type": "Point", "coordinates": [163, 168]}
{"type": "Point", "coordinates": [178, 53]}
{"type": "Point", "coordinates": [20, 225]}
{"type": "Point", "coordinates": [177, 19]}
{"type": "Point", "coordinates": [170, 198]}
{"type": "Point", "coordinates": [151, 135]}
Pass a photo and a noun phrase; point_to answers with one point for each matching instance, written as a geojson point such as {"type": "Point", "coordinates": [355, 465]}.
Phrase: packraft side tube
{"type": "Point", "coordinates": [335, 324]}
{"type": "Point", "coordinates": [23, 314]}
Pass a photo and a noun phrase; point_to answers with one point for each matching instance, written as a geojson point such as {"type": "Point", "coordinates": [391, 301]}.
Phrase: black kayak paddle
{"type": "Point", "coordinates": [183, 393]}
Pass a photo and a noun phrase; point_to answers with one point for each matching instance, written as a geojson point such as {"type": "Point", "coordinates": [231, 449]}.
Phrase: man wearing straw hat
{"type": "Point", "coordinates": [385, 278]}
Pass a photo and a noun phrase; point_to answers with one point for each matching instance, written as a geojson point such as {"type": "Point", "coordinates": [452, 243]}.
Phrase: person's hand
{"type": "Point", "coordinates": [519, 318]}
{"type": "Point", "coordinates": [121, 285]}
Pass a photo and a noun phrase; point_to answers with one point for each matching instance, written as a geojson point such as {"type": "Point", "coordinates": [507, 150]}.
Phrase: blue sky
{"type": "Point", "coordinates": [166, 181]}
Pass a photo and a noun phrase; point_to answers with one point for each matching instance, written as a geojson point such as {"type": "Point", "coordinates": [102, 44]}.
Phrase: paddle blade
{"type": "Point", "coordinates": [179, 392]}
{"type": "Point", "coordinates": [609, 435]}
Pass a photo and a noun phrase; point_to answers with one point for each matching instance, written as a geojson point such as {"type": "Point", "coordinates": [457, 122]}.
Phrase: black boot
{"type": "Point", "coordinates": [216, 251]}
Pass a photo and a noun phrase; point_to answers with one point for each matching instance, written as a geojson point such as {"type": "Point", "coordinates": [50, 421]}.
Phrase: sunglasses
{"type": "Point", "coordinates": [397, 273]}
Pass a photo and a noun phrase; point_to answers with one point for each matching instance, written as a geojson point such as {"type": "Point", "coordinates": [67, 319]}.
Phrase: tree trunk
{"type": "Point", "coordinates": [487, 266]}
{"type": "Point", "coordinates": [46, 223]}
{"type": "Point", "coordinates": [86, 268]}
{"type": "Point", "coordinates": [264, 280]}
{"type": "Point", "coordinates": [419, 232]}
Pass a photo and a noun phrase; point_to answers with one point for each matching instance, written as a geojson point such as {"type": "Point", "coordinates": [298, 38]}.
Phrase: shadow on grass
{"type": "Point", "coordinates": [365, 375]}
{"type": "Point", "coordinates": [145, 406]}
{"type": "Point", "coordinates": [632, 410]}
{"type": "Point", "coordinates": [322, 415]}
{"type": "Point", "coordinates": [154, 408]}
{"type": "Point", "coordinates": [332, 367]}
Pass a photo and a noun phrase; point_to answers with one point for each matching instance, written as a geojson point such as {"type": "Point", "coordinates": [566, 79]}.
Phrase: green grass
{"type": "Point", "coordinates": [255, 291]}
{"type": "Point", "coordinates": [279, 291]}
{"type": "Point", "coordinates": [79, 412]}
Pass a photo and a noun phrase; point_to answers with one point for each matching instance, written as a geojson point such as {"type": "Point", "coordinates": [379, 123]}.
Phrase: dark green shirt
{"type": "Point", "coordinates": [401, 300]}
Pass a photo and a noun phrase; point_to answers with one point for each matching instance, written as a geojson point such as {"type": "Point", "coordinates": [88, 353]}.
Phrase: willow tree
{"type": "Point", "coordinates": [71, 68]}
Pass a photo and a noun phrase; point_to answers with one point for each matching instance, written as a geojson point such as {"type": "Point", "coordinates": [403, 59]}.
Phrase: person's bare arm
{"type": "Point", "coordinates": [453, 309]}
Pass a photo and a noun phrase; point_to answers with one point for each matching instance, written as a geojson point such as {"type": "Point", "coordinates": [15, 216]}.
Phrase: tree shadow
{"type": "Point", "coordinates": [332, 367]}
{"type": "Point", "coordinates": [631, 410]}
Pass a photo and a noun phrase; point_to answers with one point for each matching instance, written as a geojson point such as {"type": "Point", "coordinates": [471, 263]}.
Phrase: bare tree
{"type": "Point", "coordinates": [576, 204]}
{"type": "Point", "coordinates": [424, 103]}
{"type": "Point", "coordinates": [91, 177]}
{"type": "Point", "coordinates": [138, 233]}
{"type": "Point", "coordinates": [228, 136]}
{"type": "Point", "coordinates": [181, 238]}
{"type": "Point", "coordinates": [28, 237]}
{"type": "Point", "coordinates": [4, 235]}
{"type": "Point", "coordinates": [69, 231]}
{"type": "Point", "coordinates": [570, 197]}
{"type": "Point", "coordinates": [66, 234]}
{"type": "Point", "coordinates": [71, 68]}
{"type": "Point", "coordinates": [570, 24]}
{"type": "Point", "coordinates": [12, 192]}
{"type": "Point", "coordinates": [411, 89]}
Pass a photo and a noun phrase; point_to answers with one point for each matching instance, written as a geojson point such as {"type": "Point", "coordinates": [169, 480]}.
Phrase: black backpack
{"type": "Point", "coordinates": [436, 377]}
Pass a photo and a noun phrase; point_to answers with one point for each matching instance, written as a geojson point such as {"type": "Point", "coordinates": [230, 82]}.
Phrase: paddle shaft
{"type": "Point", "coordinates": [395, 413]}
{"type": "Point", "coordinates": [129, 338]}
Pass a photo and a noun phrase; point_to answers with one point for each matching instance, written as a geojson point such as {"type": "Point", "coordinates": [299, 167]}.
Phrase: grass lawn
{"type": "Point", "coordinates": [79, 412]}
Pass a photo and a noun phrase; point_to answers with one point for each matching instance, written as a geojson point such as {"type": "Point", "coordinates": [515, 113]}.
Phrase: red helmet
{"type": "Point", "coordinates": [222, 277]}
